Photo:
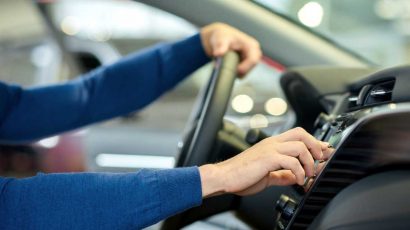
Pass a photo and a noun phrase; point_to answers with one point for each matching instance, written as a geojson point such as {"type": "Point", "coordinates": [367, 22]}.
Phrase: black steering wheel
{"type": "Point", "coordinates": [201, 133]}
{"type": "Point", "coordinates": [206, 119]}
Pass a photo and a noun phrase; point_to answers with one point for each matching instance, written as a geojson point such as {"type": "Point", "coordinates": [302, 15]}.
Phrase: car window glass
{"type": "Point", "coordinates": [28, 55]}
{"type": "Point", "coordinates": [375, 29]}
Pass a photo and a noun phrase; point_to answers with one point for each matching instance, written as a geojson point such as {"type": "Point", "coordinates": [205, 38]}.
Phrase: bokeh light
{"type": "Point", "coordinates": [276, 106]}
{"type": "Point", "coordinates": [311, 14]}
{"type": "Point", "coordinates": [50, 142]}
{"type": "Point", "coordinates": [242, 103]}
{"type": "Point", "coordinates": [70, 25]}
{"type": "Point", "coordinates": [258, 121]}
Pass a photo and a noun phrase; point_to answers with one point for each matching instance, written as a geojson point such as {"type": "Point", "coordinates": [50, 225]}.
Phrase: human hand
{"type": "Point", "coordinates": [319, 166]}
{"type": "Point", "coordinates": [219, 38]}
{"type": "Point", "coordinates": [284, 159]}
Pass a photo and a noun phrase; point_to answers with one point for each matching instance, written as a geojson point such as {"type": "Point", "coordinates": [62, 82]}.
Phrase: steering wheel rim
{"type": "Point", "coordinates": [202, 129]}
{"type": "Point", "coordinates": [207, 120]}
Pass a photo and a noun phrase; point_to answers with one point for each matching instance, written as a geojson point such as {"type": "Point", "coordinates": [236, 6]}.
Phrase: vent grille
{"type": "Point", "coordinates": [372, 94]}
{"type": "Point", "coordinates": [379, 93]}
{"type": "Point", "coordinates": [340, 174]}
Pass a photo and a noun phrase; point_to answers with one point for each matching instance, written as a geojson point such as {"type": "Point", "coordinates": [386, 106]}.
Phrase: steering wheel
{"type": "Point", "coordinates": [201, 132]}
{"type": "Point", "coordinates": [206, 119]}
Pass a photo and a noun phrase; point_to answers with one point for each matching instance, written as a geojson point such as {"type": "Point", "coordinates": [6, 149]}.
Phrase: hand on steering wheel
{"type": "Point", "coordinates": [218, 39]}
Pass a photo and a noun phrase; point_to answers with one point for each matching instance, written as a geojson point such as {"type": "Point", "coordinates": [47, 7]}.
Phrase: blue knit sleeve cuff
{"type": "Point", "coordinates": [180, 189]}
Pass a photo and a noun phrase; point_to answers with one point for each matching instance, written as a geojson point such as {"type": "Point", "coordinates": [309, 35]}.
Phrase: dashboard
{"type": "Point", "coordinates": [368, 124]}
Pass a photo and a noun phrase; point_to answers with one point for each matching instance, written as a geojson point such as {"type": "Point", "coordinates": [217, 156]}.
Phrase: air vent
{"type": "Point", "coordinates": [372, 94]}
{"type": "Point", "coordinates": [379, 93]}
{"type": "Point", "coordinates": [343, 171]}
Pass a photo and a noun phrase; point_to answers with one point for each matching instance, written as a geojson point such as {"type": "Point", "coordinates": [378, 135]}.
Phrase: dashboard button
{"type": "Point", "coordinates": [289, 210]}
{"type": "Point", "coordinates": [281, 202]}
{"type": "Point", "coordinates": [286, 206]}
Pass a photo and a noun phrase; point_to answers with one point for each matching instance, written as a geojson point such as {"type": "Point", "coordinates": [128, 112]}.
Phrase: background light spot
{"type": "Point", "coordinates": [242, 103]}
{"type": "Point", "coordinates": [311, 14]}
{"type": "Point", "coordinates": [258, 121]}
{"type": "Point", "coordinates": [276, 106]}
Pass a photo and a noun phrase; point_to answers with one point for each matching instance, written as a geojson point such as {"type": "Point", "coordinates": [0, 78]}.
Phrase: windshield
{"type": "Point", "coordinates": [375, 29]}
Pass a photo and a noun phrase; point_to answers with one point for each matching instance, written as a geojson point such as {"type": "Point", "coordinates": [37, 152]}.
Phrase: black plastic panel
{"type": "Point", "coordinates": [376, 142]}
{"type": "Point", "coordinates": [380, 201]}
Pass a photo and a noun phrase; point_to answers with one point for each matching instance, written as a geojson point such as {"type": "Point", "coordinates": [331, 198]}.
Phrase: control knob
{"type": "Point", "coordinates": [286, 206]}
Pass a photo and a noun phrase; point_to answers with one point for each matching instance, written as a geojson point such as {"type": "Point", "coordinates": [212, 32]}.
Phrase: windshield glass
{"type": "Point", "coordinates": [375, 29]}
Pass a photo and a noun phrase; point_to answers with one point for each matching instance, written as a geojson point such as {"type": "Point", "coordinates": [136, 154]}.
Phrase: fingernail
{"type": "Point", "coordinates": [305, 182]}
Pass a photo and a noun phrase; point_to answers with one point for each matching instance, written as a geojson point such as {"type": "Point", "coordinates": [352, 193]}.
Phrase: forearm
{"type": "Point", "coordinates": [98, 201]}
{"type": "Point", "coordinates": [107, 92]}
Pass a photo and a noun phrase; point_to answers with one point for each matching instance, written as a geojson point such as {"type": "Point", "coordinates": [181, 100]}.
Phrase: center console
{"type": "Point", "coordinates": [369, 127]}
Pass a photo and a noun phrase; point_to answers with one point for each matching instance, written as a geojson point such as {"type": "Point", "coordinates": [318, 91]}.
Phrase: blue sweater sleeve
{"type": "Point", "coordinates": [109, 91]}
{"type": "Point", "coordinates": [97, 200]}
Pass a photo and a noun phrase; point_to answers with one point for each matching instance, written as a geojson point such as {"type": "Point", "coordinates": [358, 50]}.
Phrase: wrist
{"type": "Point", "coordinates": [211, 180]}
{"type": "Point", "coordinates": [204, 34]}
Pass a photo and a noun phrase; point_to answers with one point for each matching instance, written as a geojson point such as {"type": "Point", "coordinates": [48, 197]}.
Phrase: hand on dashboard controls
{"type": "Point", "coordinates": [284, 159]}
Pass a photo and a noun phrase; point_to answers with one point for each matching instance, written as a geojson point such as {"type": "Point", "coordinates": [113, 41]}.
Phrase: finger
{"type": "Point", "coordinates": [325, 145]}
{"type": "Point", "coordinates": [251, 54]}
{"type": "Point", "coordinates": [292, 164]}
{"type": "Point", "coordinates": [281, 178]}
{"type": "Point", "coordinates": [327, 153]}
{"type": "Point", "coordinates": [308, 184]}
{"type": "Point", "coordinates": [327, 150]}
{"type": "Point", "coordinates": [299, 134]}
{"type": "Point", "coordinates": [298, 149]}
{"type": "Point", "coordinates": [320, 167]}
{"type": "Point", "coordinates": [220, 45]}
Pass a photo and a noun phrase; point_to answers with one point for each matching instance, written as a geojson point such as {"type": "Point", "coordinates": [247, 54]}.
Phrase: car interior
{"type": "Point", "coordinates": [361, 108]}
